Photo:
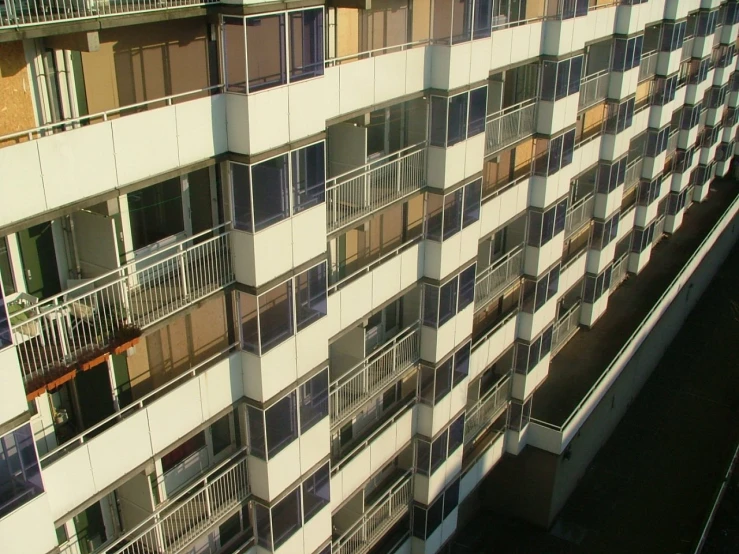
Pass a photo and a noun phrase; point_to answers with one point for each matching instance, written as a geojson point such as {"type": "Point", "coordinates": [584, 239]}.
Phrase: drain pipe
{"type": "Point", "coordinates": [717, 502]}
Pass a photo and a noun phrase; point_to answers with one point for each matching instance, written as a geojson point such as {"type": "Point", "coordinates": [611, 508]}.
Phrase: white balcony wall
{"type": "Point", "coordinates": [607, 204]}
{"type": "Point", "coordinates": [668, 62]}
{"type": "Point", "coordinates": [99, 462]}
{"type": "Point", "coordinates": [543, 191]}
{"type": "Point", "coordinates": [573, 272]}
{"type": "Point", "coordinates": [626, 223]}
{"type": "Point", "coordinates": [638, 260]}
{"type": "Point", "coordinates": [28, 529]}
{"type": "Point", "coordinates": [623, 83]}
{"type": "Point", "coordinates": [443, 258]}
{"type": "Point", "coordinates": [673, 222]}
{"type": "Point", "coordinates": [679, 9]}
{"type": "Point", "coordinates": [686, 139]}
{"type": "Point", "coordinates": [652, 167]}
{"type": "Point", "coordinates": [272, 372]}
{"type": "Point", "coordinates": [352, 475]}
{"type": "Point", "coordinates": [515, 44]}
{"type": "Point", "coordinates": [707, 155]}
{"type": "Point", "coordinates": [432, 419]}
{"type": "Point", "coordinates": [486, 461]}
{"type": "Point", "coordinates": [523, 386]}
{"type": "Point", "coordinates": [694, 93]}
{"type": "Point", "coordinates": [530, 325]}
{"type": "Point", "coordinates": [631, 19]}
{"type": "Point", "coordinates": [427, 487]}
{"type": "Point", "coordinates": [267, 479]}
{"type": "Point", "coordinates": [729, 33]}
{"type": "Point", "coordinates": [537, 260]}
{"type": "Point", "coordinates": [590, 313]}
{"type": "Point", "coordinates": [503, 207]}
{"type": "Point", "coordinates": [644, 215]}
{"type": "Point", "coordinates": [60, 169]}
{"type": "Point", "coordinates": [570, 35]}
{"type": "Point", "coordinates": [459, 65]}
{"type": "Point", "coordinates": [555, 116]}
{"type": "Point", "coordinates": [437, 343]}
{"type": "Point", "coordinates": [493, 347]}
{"type": "Point", "coordinates": [12, 392]}
{"type": "Point", "coordinates": [598, 260]}
{"type": "Point", "coordinates": [448, 166]}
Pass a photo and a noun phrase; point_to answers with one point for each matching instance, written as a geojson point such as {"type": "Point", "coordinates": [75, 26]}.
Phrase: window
{"type": "Point", "coordinates": [676, 202]}
{"type": "Point", "coordinates": [316, 492]}
{"type": "Point", "coordinates": [426, 521]}
{"type": "Point", "coordinates": [657, 141]}
{"type": "Point", "coordinates": [156, 212]}
{"type": "Point", "coordinates": [664, 90]}
{"type": "Point", "coordinates": [6, 269]}
{"type": "Point", "coordinates": [6, 338]}
{"type": "Point", "coordinates": [436, 382]}
{"type": "Point", "coordinates": [277, 524]}
{"type": "Point", "coordinates": [440, 304]}
{"type": "Point", "coordinates": [611, 176]}
{"type": "Point", "coordinates": [306, 44]}
{"type": "Point", "coordinates": [270, 318]}
{"type": "Point", "coordinates": [573, 8]}
{"type": "Point", "coordinates": [20, 478]}
{"type": "Point", "coordinates": [273, 429]}
{"type": "Point", "coordinates": [430, 456]}
{"type": "Point", "coordinates": [537, 292]}
{"type": "Point", "coordinates": [715, 97]}
{"type": "Point", "coordinates": [313, 400]}
{"type": "Point", "coordinates": [261, 192]}
{"type": "Point", "coordinates": [673, 35]}
{"type": "Point", "coordinates": [543, 226]}
{"type": "Point", "coordinates": [456, 434]}
{"type": "Point", "coordinates": [561, 78]}
{"type": "Point", "coordinates": [648, 191]}
{"type": "Point", "coordinates": [605, 232]}
{"type": "Point", "coordinates": [183, 451]}
{"type": "Point", "coordinates": [723, 55]}
{"type": "Point", "coordinates": [724, 152]}
{"type": "Point", "coordinates": [690, 116]}
{"type": "Point", "coordinates": [619, 116]}
{"type": "Point", "coordinates": [627, 53]}
{"type": "Point", "coordinates": [706, 23]}
{"type": "Point", "coordinates": [558, 154]}
{"type": "Point", "coordinates": [449, 214]}
{"type": "Point", "coordinates": [458, 117]}
{"type": "Point", "coordinates": [642, 238]}
{"type": "Point", "coordinates": [482, 19]}
{"type": "Point", "coordinates": [530, 354]}
{"type": "Point", "coordinates": [698, 70]}
{"type": "Point", "coordinates": [709, 137]}
{"type": "Point", "coordinates": [220, 433]}
{"type": "Point", "coordinates": [683, 160]}
{"type": "Point", "coordinates": [520, 415]}
{"type": "Point", "coordinates": [461, 363]}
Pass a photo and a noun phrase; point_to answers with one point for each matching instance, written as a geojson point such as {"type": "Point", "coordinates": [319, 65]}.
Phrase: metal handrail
{"type": "Point", "coordinates": [619, 271]}
{"type": "Point", "coordinates": [509, 125]}
{"type": "Point", "coordinates": [388, 509]}
{"type": "Point", "coordinates": [633, 174]}
{"type": "Point", "coordinates": [648, 66]}
{"type": "Point", "coordinates": [497, 276]}
{"type": "Point", "coordinates": [336, 60]}
{"type": "Point", "coordinates": [57, 330]}
{"type": "Point", "coordinates": [565, 327]}
{"type": "Point", "coordinates": [18, 13]}
{"type": "Point", "coordinates": [366, 189]}
{"type": "Point", "coordinates": [485, 410]}
{"type": "Point", "coordinates": [76, 122]}
{"type": "Point", "coordinates": [638, 335]}
{"type": "Point", "coordinates": [373, 373]}
{"type": "Point", "coordinates": [578, 214]}
{"type": "Point", "coordinates": [94, 431]}
{"type": "Point", "coordinates": [495, 329]}
{"type": "Point", "coordinates": [593, 89]}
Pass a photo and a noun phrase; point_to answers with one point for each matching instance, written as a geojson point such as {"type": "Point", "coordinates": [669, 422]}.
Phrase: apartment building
{"type": "Point", "coordinates": [298, 277]}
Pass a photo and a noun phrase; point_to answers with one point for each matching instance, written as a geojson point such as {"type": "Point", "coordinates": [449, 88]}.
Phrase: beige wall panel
{"type": "Point", "coordinates": [16, 106]}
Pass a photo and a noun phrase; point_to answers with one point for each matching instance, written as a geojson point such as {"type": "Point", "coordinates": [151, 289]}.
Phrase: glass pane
{"type": "Point", "coordinates": [447, 301]}
{"type": "Point", "coordinates": [311, 295]}
{"type": "Point", "coordinates": [234, 52]}
{"type": "Point", "coordinates": [430, 305]}
{"type": "Point", "coordinates": [275, 316]}
{"type": "Point", "coordinates": [257, 444]}
{"type": "Point", "coordinates": [549, 80]}
{"type": "Point", "coordinates": [6, 271]}
{"type": "Point", "coordinates": [309, 177]}
{"type": "Point", "coordinates": [438, 450]}
{"type": "Point", "coordinates": [461, 20]}
{"type": "Point", "coordinates": [434, 216]}
{"type": "Point", "coordinates": [306, 44]}
{"type": "Point", "coordinates": [313, 401]}
{"type": "Point", "coordinates": [20, 478]}
{"type": "Point", "coordinates": [438, 121]}
{"type": "Point", "coordinates": [457, 119]}
{"type": "Point", "coordinates": [286, 517]}
{"type": "Point", "coordinates": [478, 108]}
{"type": "Point", "coordinates": [270, 192]}
{"type": "Point", "coordinates": [451, 498]}
{"type": "Point", "coordinates": [264, 528]}
{"type": "Point", "coordinates": [281, 423]}
{"type": "Point", "coordinates": [265, 50]}
{"type": "Point", "coordinates": [575, 74]}
{"type": "Point", "coordinates": [456, 434]}
{"type": "Point", "coordinates": [563, 72]}
{"type": "Point", "coordinates": [461, 364]}
{"type": "Point", "coordinates": [248, 320]}
{"type": "Point", "coordinates": [452, 214]}
{"type": "Point", "coordinates": [423, 457]}
{"type": "Point", "coordinates": [483, 18]}
{"type": "Point", "coordinates": [435, 515]}
{"type": "Point", "coordinates": [443, 380]}
{"type": "Point", "coordinates": [316, 492]}
{"type": "Point", "coordinates": [221, 434]}
{"type": "Point", "coordinates": [472, 197]}
{"type": "Point", "coordinates": [156, 212]}
{"type": "Point", "coordinates": [240, 187]}
{"type": "Point", "coordinates": [466, 288]}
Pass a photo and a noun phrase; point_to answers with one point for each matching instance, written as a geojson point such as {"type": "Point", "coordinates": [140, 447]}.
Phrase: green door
{"type": "Point", "coordinates": [95, 395]}
{"type": "Point", "coordinates": [39, 261]}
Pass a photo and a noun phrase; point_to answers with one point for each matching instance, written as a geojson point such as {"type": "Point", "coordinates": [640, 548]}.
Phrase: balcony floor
{"type": "Point", "coordinates": [582, 360]}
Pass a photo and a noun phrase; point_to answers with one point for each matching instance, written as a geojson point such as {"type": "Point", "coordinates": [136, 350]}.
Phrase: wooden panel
{"type": "Point", "coordinates": [347, 25]}
{"type": "Point", "coordinates": [421, 20]}
{"type": "Point", "coordinates": [16, 106]}
{"type": "Point", "coordinates": [101, 86]}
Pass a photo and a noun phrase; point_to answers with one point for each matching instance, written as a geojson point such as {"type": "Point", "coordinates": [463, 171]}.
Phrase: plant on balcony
{"type": "Point", "coordinates": [124, 338]}
{"type": "Point", "coordinates": [59, 375]}
{"type": "Point", "coordinates": [35, 386]}
{"type": "Point", "coordinates": [91, 357]}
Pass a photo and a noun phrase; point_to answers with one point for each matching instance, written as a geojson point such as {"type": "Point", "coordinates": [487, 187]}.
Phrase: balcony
{"type": "Point", "coordinates": [619, 271]}
{"type": "Point", "coordinates": [369, 188]}
{"type": "Point", "coordinates": [687, 50]}
{"type": "Point", "coordinates": [377, 519]}
{"type": "Point", "coordinates": [510, 125]}
{"type": "Point", "coordinates": [565, 327]}
{"type": "Point", "coordinates": [352, 389]}
{"type": "Point", "coordinates": [86, 322]}
{"type": "Point", "coordinates": [183, 518]}
{"type": "Point", "coordinates": [487, 409]}
{"type": "Point", "coordinates": [580, 213]}
{"type": "Point", "coordinates": [593, 89]}
{"type": "Point", "coordinates": [648, 66]}
{"type": "Point", "coordinates": [16, 13]}
{"type": "Point", "coordinates": [495, 278]}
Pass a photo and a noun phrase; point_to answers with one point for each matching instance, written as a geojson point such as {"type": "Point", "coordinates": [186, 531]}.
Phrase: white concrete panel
{"type": "Point", "coordinates": [145, 144]}
{"type": "Point", "coordinates": [530, 325]}
{"type": "Point", "coordinates": [237, 114]}
{"type": "Point", "coordinates": [386, 281]}
{"type": "Point", "coordinates": [449, 525]}
{"type": "Point", "coordinates": [272, 253]}
{"type": "Point", "coordinates": [331, 87]}
{"type": "Point", "coordinates": [607, 204]}
{"type": "Point", "coordinates": [269, 479]}
{"type": "Point", "coordinates": [311, 344]}
{"type": "Point", "coordinates": [274, 371]}
{"type": "Point", "coordinates": [524, 385]}
{"type": "Point", "coordinates": [12, 392]}
{"type": "Point", "coordinates": [28, 529]}
{"type": "Point", "coordinates": [269, 125]}
{"type": "Point", "coordinates": [352, 475]}
{"type": "Point", "coordinates": [382, 448]}
{"type": "Point", "coordinates": [168, 421]}
{"type": "Point", "coordinates": [307, 108]}
{"type": "Point", "coordinates": [309, 234]}
{"type": "Point", "coordinates": [417, 69]}
{"type": "Point", "coordinates": [411, 267]}
{"type": "Point", "coordinates": [356, 300]}
{"type": "Point", "coordinates": [315, 444]}
{"type": "Point", "coordinates": [590, 313]}
{"type": "Point", "coordinates": [506, 44]}
{"type": "Point", "coordinates": [388, 69]}
{"type": "Point", "coordinates": [20, 170]}
{"type": "Point", "coordinates": [292, 545]}
{"type": "Point", "coordinates": [201, 128]}
{"type": "Point", "coordinates": [474, 155]}
{"type": "Point", "coordinates": [317, 530]}
{"type": "Point", "coordinates": [356, 85]}
{"type": "Point", "coordinates": [463, 325]}
{"type": "Point", "coordinates": [81, 163]}
{"type": "Point", "coordinates": [68, 482]}
{"type": "Point", "coordinates": [436, 343]}
{"type": "Point", "coordinates": [480, 51]}
{"type": "Point", "coordinates": [446, 166]}
{"type": "Point", "coordinates": [221, 385]}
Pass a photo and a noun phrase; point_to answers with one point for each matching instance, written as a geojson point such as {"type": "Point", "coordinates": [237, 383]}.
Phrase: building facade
{"type": "Point", "coordinates": [291, 277]}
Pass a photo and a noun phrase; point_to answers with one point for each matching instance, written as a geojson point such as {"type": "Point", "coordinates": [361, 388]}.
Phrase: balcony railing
{"type": "Point", "coordinates": [510, 125]}
{"type": "Point", "coordinates": [648, 66]}
{"type": "Point", "coordinates": [687, 51]}
{"type": "Point", "coordinates": [593, 89]}
{"type": "Point", "coordinates": [376, 520]}
{"type": "Point", "coordinates": [55, 333]}
{"type": "Point", "coordinates": [369, 188]}
{"type": "Point", "coordinates": [580, 213]}
{"type": "Point", "coordinates": [633, 173]}
{"type": "Point", "coordinates": [619, 271]}
{"type": "Point", "coordinates": [565, 327]}
{"type": "Point", "coordinates": [494, 279]}
{"type": "Point", "coordinates": [189, 514]}
{"type": "Point", "coordinates": [372, 374]}
{"type": "Point", "coordinates": [14, 13]}
{"type": "Point", "coordinates": [659, 230]}
{"type": "Point", "coordinates": [672, 143]}
{"type": "Point", "coordinates": [486, 409]}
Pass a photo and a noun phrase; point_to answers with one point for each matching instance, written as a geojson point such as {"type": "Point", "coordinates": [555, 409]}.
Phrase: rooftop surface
{"type": "Point", "coordinates": [576, 367]}
{"type": "Point", "coordinates": [650, 488]}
